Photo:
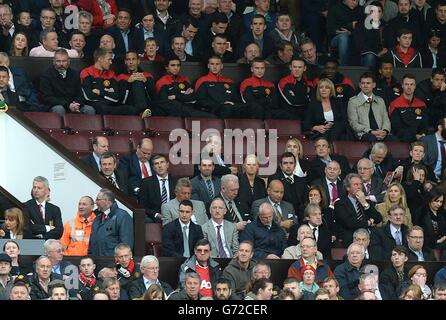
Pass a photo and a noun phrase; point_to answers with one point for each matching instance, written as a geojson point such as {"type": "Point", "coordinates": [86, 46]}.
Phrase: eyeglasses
{"type": "Point", "coordinates": [153, 268]}
{"type": "Point", "coordinates": [421, 275]}
{"type": "Point", "coordinates": [99, 199]}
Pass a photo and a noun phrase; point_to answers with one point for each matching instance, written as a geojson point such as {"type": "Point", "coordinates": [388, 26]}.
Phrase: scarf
{"type": "Point", "coordinates": [88, 282]}
{"type": "Point", "coordinates": [131, 266]}
{"type": "Point", "coordinates": [105, 7]}
{"type": "Point", "coordinates": [405, 57]}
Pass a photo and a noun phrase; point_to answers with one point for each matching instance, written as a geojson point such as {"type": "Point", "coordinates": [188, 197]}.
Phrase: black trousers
{"type": "Point", "coordinates": [103, 107]}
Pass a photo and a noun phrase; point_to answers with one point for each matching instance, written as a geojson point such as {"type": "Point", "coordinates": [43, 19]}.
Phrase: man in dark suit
{"type": "Point", "coordinates": [54, 251]}
{"type": "Point", "coordinates": [331, 182]}
{"type": "Point", "coordinates": [190, 32]}
{"type": "Point", "coordinates": [123, 33]}
{"type": "Point", "coordinates": [235, 212]}
{"type": "Point", "coordinates": [295, 188]}
{"type": "Point", "coordinates": [372, 187]}
{"type": "Point", "coordinates": [432, 143]}
{"type": "Point", "coordinates": [45, 218]}
{"type": "Point", "coordinates": [148, 29]}
{"type": "Point", "coordinates": [393, 277]}
{"type": "Point", "coordinates": [383, 161]}
{"type": "Point", "coordinates": [317, 165]}
{"type": "Point", "coordinates": [150, 269]}
{"type": "Point", "coordinates": [205, 185]}
{"type": "Point", "coordinates": [415, 245]}
{"type": "Point", "coordinates": [137, 165]}
{"type": "Point", "coordinates": [283, 211]}
{"type": "Point", "coordinates": [119, 180]}
{"type": "Point", "coordinates": [353, 211]}
{"type": "Point", "coordinates": [385, 238]}
{"type": "Point", "coordinates": [100, 145]}
{"type": "Point", "coordinates": [157, 189]}
{"type": "Point", "coordinates": [321, 233]}
{"type": "Point", "coordinates": [181, 235]}
{"type": "Point", "coordinates": [6, 95]}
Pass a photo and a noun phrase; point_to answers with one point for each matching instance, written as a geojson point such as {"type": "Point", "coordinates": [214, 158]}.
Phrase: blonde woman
{"type": "Point", "coordinates": [395, 195]}
{"type": "Point", "coordinates": [325, 115]}
{"type": "Point", "coordinates": [14, 226]}
{"type": "Point", "coordinates": [294, 146]}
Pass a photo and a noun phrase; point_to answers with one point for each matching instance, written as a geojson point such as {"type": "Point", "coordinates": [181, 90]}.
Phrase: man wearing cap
{"type": "Point", "coordinates": [308, 258]}
{"type": "Point", "coordinates": [6, 282]}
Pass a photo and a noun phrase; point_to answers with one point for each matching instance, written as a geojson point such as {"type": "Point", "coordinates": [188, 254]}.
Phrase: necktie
{"type": "Point", "coordinates": [443, 156]}
{"type": "Point", "coordinates": [334, 192]}
{"type": "Point", "coordinates": [290, 179]}
{"type": "Point", "coordinates": [420, 256]}
{"type": "Point", "coordinates": [104, 216]}
{"type": "Point", "coordinates": [221, 249]}
{"type": "Point", "coordinates": [232, 212]}
{"type": "Point", "coordinates": [379, 171]}
{"type": "Point", "coordinates": [186, 252]}
{"type": "Point", "coordinates": [400, 276]}
{"type": "Point", "coordinates": [372, 120]}
{"type": "Point", "coordinates": [315, 233]}
{"type": "Point", "coordinates": [277, 212]}
{"type": "Point", "coordinates": [398, 237]}
{"type": "Point", "coordinates": [163, 192]}
{"type": "Point", "coordinates": [144, 171]}
{"type": "Point", "coordinates": [368, 188]}
{"type": "Point", "coordinates": [112, 181]}
{"type": "Point", "coordinates": [359, 215]}
{"type": "Point", "coordinates": [210, 190]}
{"type": "Point", "coordinates": [42, 212]}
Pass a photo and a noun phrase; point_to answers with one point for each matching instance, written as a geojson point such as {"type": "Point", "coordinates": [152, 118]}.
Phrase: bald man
{"type": "Point", "coordinates": [137, 165]}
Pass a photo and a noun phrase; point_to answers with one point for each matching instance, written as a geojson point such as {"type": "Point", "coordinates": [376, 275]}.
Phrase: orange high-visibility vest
{"type": "Point", "coordinates": [76, 235]}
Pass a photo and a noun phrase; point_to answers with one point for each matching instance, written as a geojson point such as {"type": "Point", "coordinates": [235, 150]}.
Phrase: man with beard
{"type": "Point", "coordinates": [435, 152]}
{"type": "Point", "coordinates": [387, 86]}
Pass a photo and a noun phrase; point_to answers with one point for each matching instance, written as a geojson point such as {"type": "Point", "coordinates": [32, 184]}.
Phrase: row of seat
{"type": "Point", "coordinates": [75, 132]}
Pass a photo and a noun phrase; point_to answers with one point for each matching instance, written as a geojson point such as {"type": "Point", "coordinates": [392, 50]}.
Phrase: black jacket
{"type": "Point", "coordinates": [120, 49]}
{"type": "Point", "coordinates": [137, 288]}
{"type": "Point", "coordinates": [435, 100]}
{"type": "Point", "coordinates": [382, 242]}
{"type": "Point", "coordinates": [317, 167]}
{"type": "Point", "coordinates": [57, 90]}
{"type": "Point", "coordinates": [150, 194]}
{"type": "Point", "coordinates": [173, 238]}
{"type": "Point", "coordinates": [52, 217]}
{"type": "Point", "coordinates": [388, 91]}
{"type": "Point", "coordinates": [245, 195]}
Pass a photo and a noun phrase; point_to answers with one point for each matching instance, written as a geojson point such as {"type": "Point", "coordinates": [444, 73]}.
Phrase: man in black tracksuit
{"type": "Point", "coordinates": [218, 94]}
{"type": "Point", "coordinates": [387, 86]}
{"type": "Point", "coordinates": [261, 93]}
{"type": "Point", "coordinates": [295, 90]}
{"type": "Point", "coordinates": [433, 92]}
{"type": "Point", "coordinates": [176, 96]}
{"type": "Point", "coordinates": [102, 89]}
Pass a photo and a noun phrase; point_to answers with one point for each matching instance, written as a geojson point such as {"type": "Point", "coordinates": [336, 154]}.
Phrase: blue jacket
{"type": "Point", "coordinates": [25, 90]}
{"type": "Point", "coordinates": [129, 164]}
{"type": "Point", "coordinates": [348, 278]}
{"type": "Point", "coordinates": [117, 228]}
{"type": "Point", "coordinates": [266, 241]}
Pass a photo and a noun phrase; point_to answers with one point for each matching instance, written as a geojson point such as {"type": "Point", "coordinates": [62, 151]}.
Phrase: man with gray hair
{"type": "Point", "coordinates": [49, 46]}
{"type": "Point", "coordinates": [353, 211]}
{"type": "Point", "coordinates": [61, 89]}
{"type": "Point", "coordinates": [294, 252]}
{"type": "Point", "coordinates": [382, 161]}
{"type": "Point", "coordinates": [183, 191]}
{"type": "Point", "coordinates": [150, 271]}
{"type": "Point", "coordinates": [372, 187]}
{"type": "Point", "coordinates": [191, 287]}
{"type": "Point", "coordinates": [362, 236]}
{"type": "Point", "coordinates": [45, 218]}
{"type": "Point", "coordinates": [111, 226]}
{"type": "Point", "coordinates": [268, 238]}
{"type": "Point", "coordinates": [348, 274]}
{"type": "Point", "coordinates": [54, 251]}
{"type": "Point", "coordinates": [229, 193]}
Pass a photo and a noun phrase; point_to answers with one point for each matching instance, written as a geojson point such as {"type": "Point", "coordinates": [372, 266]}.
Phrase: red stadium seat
{"type": "Point", "coordinates": [338, 253]}
{"type": "Point", "coordinates": [48, 121]}
{"type": "Point", "coordinates": [77, 143]}
{"type": "Point", "coordinates": [153, 237]}
{"type": "Point", "coordinates": [162, 125]}
{"type": "Point", "coordinates": [161, 144]}
{"type": "Point", "coordinates": [181, 170]}
{"type": "Point", "coordinates": [399, 150]}
{"type": "Point", "coordinates": [285, 128]}
{"type": "Point", "coordinates": [124, 125]}
{"type": "Point", "coordinates": [352, 150]}
{"type": "Point", "coordinates": [120, 145]}
{"type": "Point", "coordinates": [244, 124]}
{"type": "Point", "coordinates": [309, 150]}
{"type": "Point", "coordinates": [82, 123]}
{"type": "Point", "coordinates": [205, 123]}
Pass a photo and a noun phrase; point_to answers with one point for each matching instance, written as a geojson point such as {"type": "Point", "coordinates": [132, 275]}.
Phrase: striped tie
{"type": "Point", "coordinates": [221, 249]}
{"type": "Point", "coordinates": [210, 190]}
{"type": "Point", "coordinates": [277, 212]}
{"type": "Point", "coordinates": [232, 212]}
{"type": "Point", "coordinates": [359, 215]}
{"type": "Point", "coordinates": [163, 192]}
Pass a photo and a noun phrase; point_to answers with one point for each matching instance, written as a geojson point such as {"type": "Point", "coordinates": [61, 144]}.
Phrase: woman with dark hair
{"type": "Point", "coordinates": [433, 220]}
{"type": "Point", "coordinates": [262, 289]}
{"type": "Point", "coordinates": [19, 45]}
{"type": "Point", "coordinates": [324, 116]}
{"type": "Point", "coordinates": [154, 292]}
{"type": "Point", "coordinates": [430, 53]}
{"type": "Point", "coordinates": [12, 249]}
